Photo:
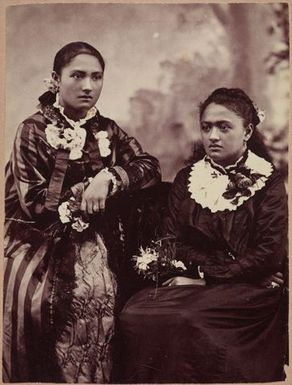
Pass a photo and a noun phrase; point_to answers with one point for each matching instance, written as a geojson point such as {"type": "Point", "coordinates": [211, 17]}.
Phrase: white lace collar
{"type": "Point", "coordinates": [220, 189]}
{"type": "Point", "coordinates": [90, 114]}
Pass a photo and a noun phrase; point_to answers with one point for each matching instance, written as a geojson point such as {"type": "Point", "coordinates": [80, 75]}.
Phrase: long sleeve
{"type": "Point", "coordinates": [28, 174]}
{"type": "Point", "coordinates": [135, 168]}
{"type": "Point", "coordinates": [267, 250]}
{"type": "Point", "coordinates": [172, 227]}
{"type": "Point", "coordinates": [25, 180]}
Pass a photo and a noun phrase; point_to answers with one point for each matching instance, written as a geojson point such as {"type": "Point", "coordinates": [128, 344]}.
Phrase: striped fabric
{"type": "Point", "coordinates": [46, 279]}
{"type": "Point", "coordinates": [26, 294]}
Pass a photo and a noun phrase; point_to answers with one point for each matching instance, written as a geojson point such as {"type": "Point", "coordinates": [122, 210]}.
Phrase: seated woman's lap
{"type": "Point", "coordinates": [202, 333]}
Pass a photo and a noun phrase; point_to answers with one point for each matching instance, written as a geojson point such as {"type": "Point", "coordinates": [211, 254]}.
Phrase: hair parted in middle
{"type": "Point", "coordinates": [69, 51]}
{"type": "Point", "coordinates": [236, 100]}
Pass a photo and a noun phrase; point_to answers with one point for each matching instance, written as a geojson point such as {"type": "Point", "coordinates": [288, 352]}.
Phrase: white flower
{"type": "Point", "coordinates": [51, 85]}
{"type": "Point", "coordinates": [103, 143]}
{"type": "Point", "coordinates": [261, 115]}
{"type": "Point", "coordinates": [178, 264]}
{"type": "Point", "coordinates": [64, 212]}
{"type": "Point", "coordinates": [101, 135]}
{"type": "Point", "coordinates": [145, 258]}
{"type": "Point", "coordinates": [149, 255]}
{"type": "Point", "coordinates": [52, 134]}
{"type": "Point", "coordinates": [67, 138]}
{"type": "Point", "coordinates": [207, 185]}
{"type": "Point", "coordinates": [68, 134]}
{"type": "Point", "coordinates": [143, 266]}
{"type": "Point", "coordinates": [104, 152]}
{"type": "Point", "coordinates": [75, 153]}
{"type": "Point", "coordinates": [79, 225]}
{"type": "Point", "coordinates": [66, 216]}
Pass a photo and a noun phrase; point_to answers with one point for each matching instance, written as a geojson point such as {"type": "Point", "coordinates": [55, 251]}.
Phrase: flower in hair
{"type": "Point", "coordinates": [51, 85]}
{"type": "Point", "coordinates": [260, 113]}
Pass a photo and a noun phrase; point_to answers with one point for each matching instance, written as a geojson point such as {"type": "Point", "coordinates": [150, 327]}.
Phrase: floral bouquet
{"type": "Point", "coordinates": [69, 212]}
{"type": "Point", "coordinates": [157, 262]}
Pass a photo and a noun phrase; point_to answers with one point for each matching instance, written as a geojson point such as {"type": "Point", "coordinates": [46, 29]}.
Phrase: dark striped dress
{"type": "Point", "coordinates": [59, 290]}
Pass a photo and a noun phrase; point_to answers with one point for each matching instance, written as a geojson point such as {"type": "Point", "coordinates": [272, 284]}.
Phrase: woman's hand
{"type": "Point", "coordinates": [184, 281]}
{"type": "Point", "coordinates": [274, 280]}
{"type": "Point", "coordinates": [95, 195]}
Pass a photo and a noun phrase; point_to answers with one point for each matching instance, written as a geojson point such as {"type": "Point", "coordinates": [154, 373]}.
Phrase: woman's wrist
{"type": "Point", "coordinates": [108, 178]}
{"type": "Point", "coordinates": [113, 183]}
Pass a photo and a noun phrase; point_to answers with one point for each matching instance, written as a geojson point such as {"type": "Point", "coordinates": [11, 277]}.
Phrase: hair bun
{"type": "Point", "coordinates": [47, 98]}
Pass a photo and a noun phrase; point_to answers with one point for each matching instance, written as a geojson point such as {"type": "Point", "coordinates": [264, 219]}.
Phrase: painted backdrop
{"type": "Point", "coordinates": [161, 61]}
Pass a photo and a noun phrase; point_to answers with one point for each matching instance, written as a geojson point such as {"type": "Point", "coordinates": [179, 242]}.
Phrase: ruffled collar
{"type": "Point", "coordinates": [78, 123]}
{"type": "Point", "coordinates": [219, 188]}
{"type": "Point", "coordinates": [65, 133]}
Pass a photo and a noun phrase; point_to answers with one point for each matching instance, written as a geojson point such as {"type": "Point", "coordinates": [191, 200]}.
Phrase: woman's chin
{"type": "Point", "coordinates": [215, 156]}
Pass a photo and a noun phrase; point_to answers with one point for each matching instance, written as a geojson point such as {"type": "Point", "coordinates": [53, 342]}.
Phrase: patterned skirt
{"type": "Point", "coordinates": [58, 319]}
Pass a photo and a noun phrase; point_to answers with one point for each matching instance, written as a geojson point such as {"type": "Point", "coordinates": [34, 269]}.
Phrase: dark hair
{"type": "Point", "coordinates": [69, 51]}
{"type": "Point", "coordinates": [63, 58]}
{"type": "Point", "coordinates": [236, 100]}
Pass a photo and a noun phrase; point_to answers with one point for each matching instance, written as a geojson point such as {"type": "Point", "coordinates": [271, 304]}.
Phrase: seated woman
{"type": "Point", "coordinates": [225, 320]}
{"type": "Point", "coordinates": [59, 288]}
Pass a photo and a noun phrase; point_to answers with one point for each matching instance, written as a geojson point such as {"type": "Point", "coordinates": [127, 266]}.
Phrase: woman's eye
{"type": "Point", "coordinates": [97, 77]}
{"type": "Point", "coordinates": [77, 76]}
{"type": "Point", "coordinates": [205, 127]}
{"type": "Point", "coordinates": [224, 127]}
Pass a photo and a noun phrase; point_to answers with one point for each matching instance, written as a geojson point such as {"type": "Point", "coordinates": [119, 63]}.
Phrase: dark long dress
{"type": "Point", "coordinates": [59, 287]}
{"type": "Point", "coordinates": [234, 328]}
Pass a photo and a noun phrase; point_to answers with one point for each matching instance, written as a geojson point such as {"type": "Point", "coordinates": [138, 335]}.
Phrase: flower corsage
{"type": "Point", "coordinates": [239, 184]}
{"type": "Point", "coordinates": [67, 139]}
{"type": "Point", "coordinates": [103, 143]}
{"type": "Point", "coordinates": [157, 262]}
{"type": "Point", "coordinates": [69, 212]}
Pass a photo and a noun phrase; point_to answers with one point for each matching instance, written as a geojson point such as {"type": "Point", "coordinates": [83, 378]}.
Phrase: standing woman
{"type": "Point", "coordinates": [59, 292]}
{"type": "Point", "coordinates": [224, 320]}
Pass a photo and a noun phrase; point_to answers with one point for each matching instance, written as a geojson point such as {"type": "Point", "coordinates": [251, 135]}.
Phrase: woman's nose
{"type": "Point", "coordinates": [87, 84]}
{"type": "Point", "coordinates": [214, 134]}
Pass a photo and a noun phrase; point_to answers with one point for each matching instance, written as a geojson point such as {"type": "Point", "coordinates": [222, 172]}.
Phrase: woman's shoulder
{"type": "Point", "coordinates": [111, 126]}
{"type": "Point", "coordinates": [36, 118]}
{"type": "Point", "coordinates": [275, 184]}
{"type": "Point", "coordinates": [106, 122]}
{"type": "Point", "coordinates": [34, 124]}
{"type": "Point", "coordinates": [183, 174]}
{"type": "Point", "coordinates": [182, 180]}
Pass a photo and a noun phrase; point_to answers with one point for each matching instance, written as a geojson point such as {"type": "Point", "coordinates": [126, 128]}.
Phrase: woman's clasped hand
{"type": "Point", "coordinates": [60, 278]}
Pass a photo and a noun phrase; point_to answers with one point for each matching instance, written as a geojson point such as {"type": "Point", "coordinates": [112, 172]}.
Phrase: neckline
{"type": "Point", "coordinates": [219, 189]}
{"type": "Point", "coordinates": [74, 123]}
{"type": "Point", "coordinates": [230, 167]}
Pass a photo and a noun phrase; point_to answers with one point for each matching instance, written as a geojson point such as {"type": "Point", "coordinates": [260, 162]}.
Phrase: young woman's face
{"type": "Point", "coordinates": [223, 134]}
{"type": "Point", "coordinates": [80, 85]}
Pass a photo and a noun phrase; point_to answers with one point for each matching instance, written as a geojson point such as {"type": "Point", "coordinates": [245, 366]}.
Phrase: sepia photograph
{"type": "Point", "coordinates": [146, 193]}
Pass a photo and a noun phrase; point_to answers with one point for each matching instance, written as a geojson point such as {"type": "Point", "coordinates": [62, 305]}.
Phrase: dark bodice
{"type": "Point", "coordinates": [245, 244]}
